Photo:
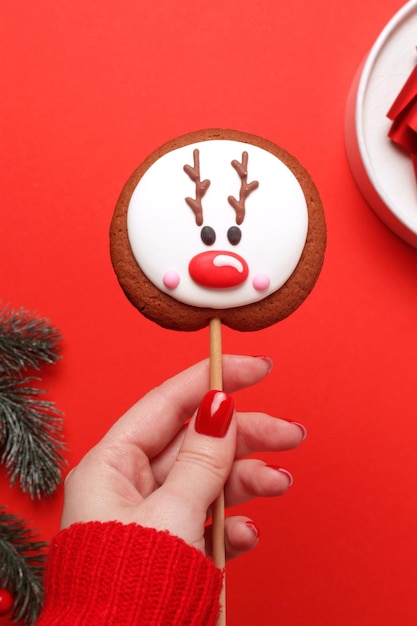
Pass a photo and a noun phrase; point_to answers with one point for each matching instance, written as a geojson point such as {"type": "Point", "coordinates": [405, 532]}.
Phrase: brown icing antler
{"type": "Point", "coordinates": [200, 188]}
{"type": "Point", "coordinates": [245, 188]}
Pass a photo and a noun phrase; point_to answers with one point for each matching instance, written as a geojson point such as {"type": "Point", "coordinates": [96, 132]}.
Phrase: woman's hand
{"type": "Point", "coordinates": [157, 469]}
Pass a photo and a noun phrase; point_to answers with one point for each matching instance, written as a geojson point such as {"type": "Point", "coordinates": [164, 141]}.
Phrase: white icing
{"type": "Point", "coordinates": [221, 260]}
{"type": "Point", "coordinates": [164, 236]}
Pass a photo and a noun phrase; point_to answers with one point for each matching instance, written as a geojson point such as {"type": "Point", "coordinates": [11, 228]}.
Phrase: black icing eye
{"type": "Point", "coordinates": [208, 235]}
{"type": "Point", "coordinates": [234, 235]}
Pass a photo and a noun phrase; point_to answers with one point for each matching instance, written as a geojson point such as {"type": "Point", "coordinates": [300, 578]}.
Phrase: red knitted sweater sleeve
{"type": "Point", "coordinates": [110, 573]}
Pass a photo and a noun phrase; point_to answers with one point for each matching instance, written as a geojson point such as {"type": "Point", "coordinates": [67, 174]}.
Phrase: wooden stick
{"type": "Point", "coordinates": [216, 382]}
{"type": "Point", "coordinates": [216, 370]}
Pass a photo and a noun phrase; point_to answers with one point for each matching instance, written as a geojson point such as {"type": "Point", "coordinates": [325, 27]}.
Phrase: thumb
{"type": "Point", "coordinates": [207, 452]}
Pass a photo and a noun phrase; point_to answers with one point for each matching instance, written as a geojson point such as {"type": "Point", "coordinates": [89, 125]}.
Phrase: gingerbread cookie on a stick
{"type": "Point", "coordinates": [218, 223]}
{"type": "Point", "coordinates": [218, 227]}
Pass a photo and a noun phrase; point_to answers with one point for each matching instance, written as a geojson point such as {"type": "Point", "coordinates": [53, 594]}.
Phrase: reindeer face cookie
{"type": "Point", "coordinates": [218, 223]}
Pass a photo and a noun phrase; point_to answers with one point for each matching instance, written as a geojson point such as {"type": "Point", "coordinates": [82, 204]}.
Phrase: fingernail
{"type": "Point", "coordinates": [302, 428]}
{"type": "Point", "coordinates": [253, 528]}
{"type": "Point", "coordinates": [283, 471]}
{"type": "Point", "coordinates": [268, 361]}
{"type": "Point", "coordinates": [214, 414]}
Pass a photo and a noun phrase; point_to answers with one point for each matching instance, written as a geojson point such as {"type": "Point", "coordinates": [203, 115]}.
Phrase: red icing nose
{"type": "Point", "coordinates": [218, 269]}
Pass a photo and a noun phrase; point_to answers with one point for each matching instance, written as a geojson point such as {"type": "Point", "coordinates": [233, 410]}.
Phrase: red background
{"type": "Point", "coordinates": [88, 89]}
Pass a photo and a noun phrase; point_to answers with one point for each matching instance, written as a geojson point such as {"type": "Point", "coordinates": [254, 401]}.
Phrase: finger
{"type": "Point", "coordinates": [257, 432]}
{"type": "Point", "coordinates": [240, 535]}
{"type": "Point", "coordinates": [252, 478]}
{"type": "Point", "coordinates": [206, 455]}
{"type": "Point", "coordinates": [155, 420]}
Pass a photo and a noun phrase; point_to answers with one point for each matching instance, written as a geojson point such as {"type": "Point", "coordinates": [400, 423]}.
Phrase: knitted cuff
{"type": "Point", "coordinates": [110, 573]}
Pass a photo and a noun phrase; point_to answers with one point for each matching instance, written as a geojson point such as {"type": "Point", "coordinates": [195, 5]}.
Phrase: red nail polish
{"type": "Point", "coordinates": [301, 427]}
{"type": "Point", "coordinates": [283, 471]}
{"type": "Point", "coordinates": [268, 361]}
{"type": "Point", "coordinates": [253, 528]}
{"type": "Point", "coordinates": [214, 414]}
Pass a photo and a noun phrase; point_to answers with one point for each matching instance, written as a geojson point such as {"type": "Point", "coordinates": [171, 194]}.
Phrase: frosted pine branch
{"type": "Point", "coordinates": [30, 437]}
{"type": "Point", "coordinates": [26, 341]}
{"type": "Point", "coordinates": [21, 566]}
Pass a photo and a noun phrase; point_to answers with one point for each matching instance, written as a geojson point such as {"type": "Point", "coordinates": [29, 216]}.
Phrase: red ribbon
{"type": "Point", "coordinates": [403, 113]}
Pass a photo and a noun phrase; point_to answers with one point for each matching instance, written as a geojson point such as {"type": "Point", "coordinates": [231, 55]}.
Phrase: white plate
{"type": "Point", "coordinates": [383, 172]}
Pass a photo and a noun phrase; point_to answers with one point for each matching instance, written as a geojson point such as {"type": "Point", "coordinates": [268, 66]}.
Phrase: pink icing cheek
{"type": "Point", "coordinates": [261, 282]}
{"type": "Point", "coordinates": [171, 279]}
